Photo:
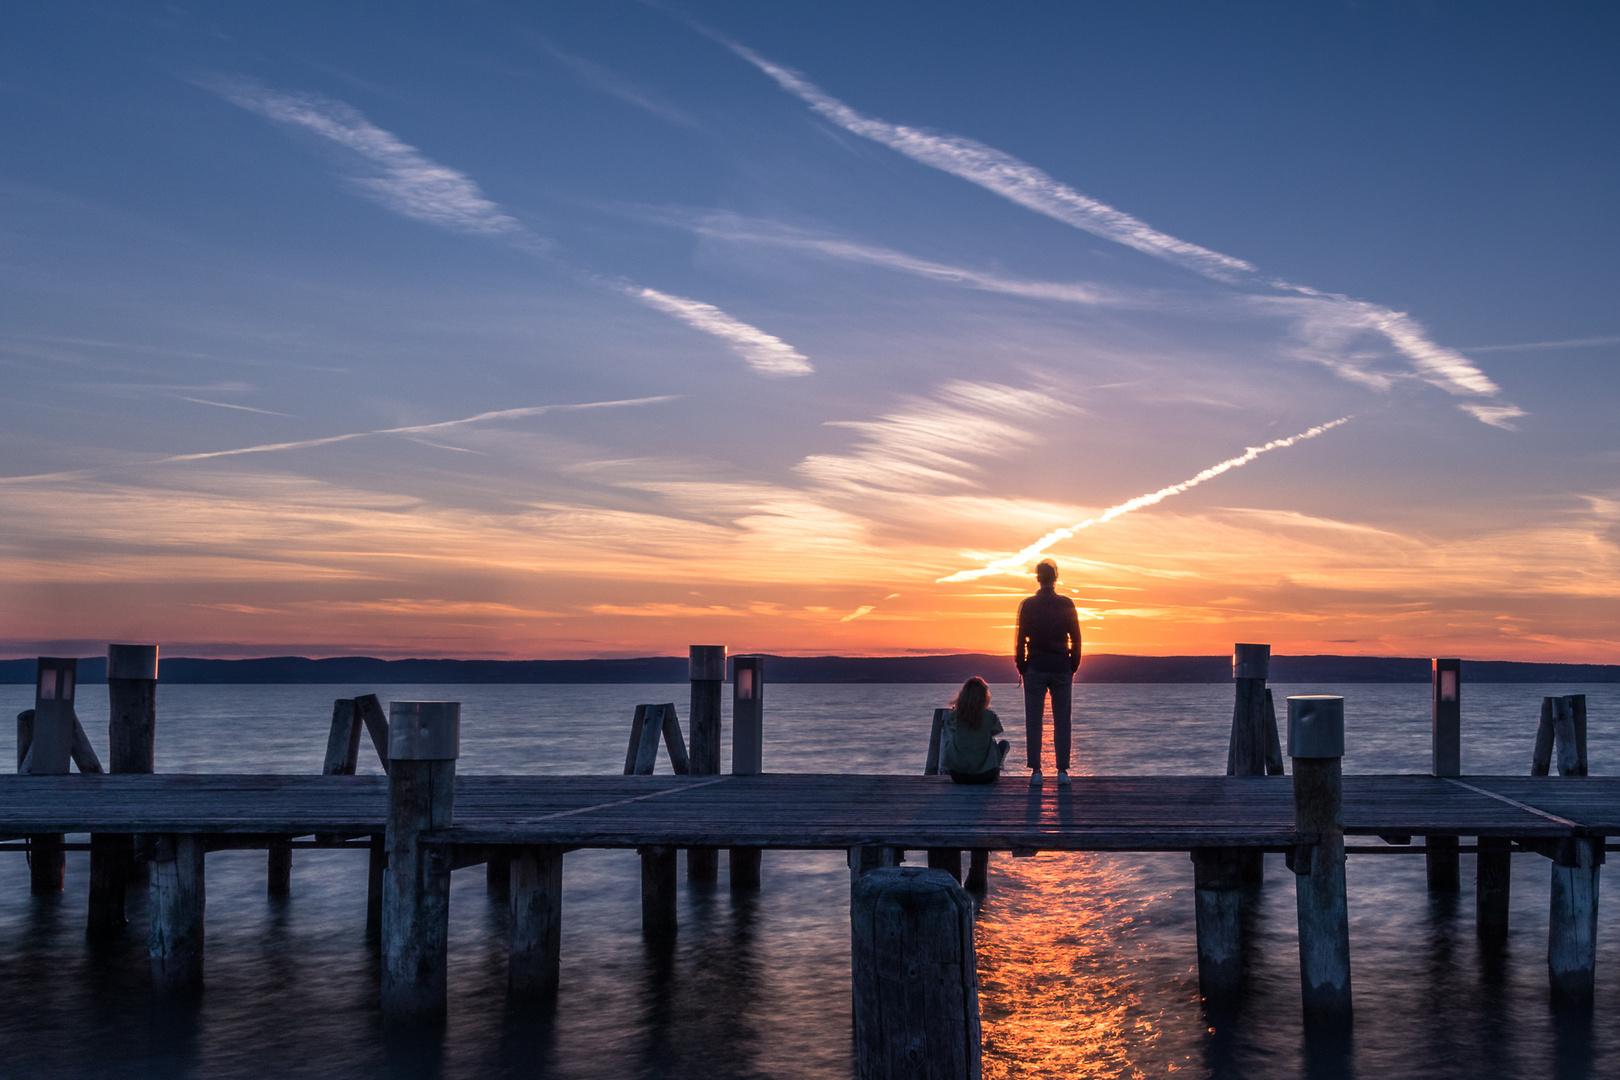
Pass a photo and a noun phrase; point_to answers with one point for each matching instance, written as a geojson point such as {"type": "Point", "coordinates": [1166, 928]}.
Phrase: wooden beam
{"type": "Point", "coordinates": [175, 904]}
{"type": "Point", "coordinates": [535, 930]}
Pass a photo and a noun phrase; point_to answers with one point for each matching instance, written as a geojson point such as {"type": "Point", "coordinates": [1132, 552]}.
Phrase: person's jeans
{"type": "Point", "coordinates": [1037, 684]}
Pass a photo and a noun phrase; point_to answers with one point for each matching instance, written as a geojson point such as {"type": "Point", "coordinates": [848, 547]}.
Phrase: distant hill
{"type": "Point", "coordinates": [1100, 668]}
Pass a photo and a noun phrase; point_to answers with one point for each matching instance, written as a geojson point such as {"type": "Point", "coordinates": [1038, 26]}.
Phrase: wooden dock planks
{"type": "Point", "coordinates": [1174, 813]}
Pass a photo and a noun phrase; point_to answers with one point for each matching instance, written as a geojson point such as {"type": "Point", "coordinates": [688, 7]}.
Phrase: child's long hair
{"type": "Point", "coordinates": [970, 703]}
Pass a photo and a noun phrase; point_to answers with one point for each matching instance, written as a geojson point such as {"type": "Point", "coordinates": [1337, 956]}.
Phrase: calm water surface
{"type": "Point", "coordinates": [1087, 961]}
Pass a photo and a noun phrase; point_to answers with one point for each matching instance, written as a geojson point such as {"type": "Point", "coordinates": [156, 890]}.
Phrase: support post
{"type": "Point", "coordinates": [744, 864]}
{"type": "Point", "coordinates": [535, 943]}
{"type": "Point", "coordinates": [915, 984]}
{"type": "Point", "coordinates": [377, 865]}
{"type": "Point", "coordinates": [1492, 889]}
{"type": "Point", "coordinates": [498, 874]}
{"type": "Point", "coordinates": [424, 740]}
{"type": "Point", "coordinates": [707, 673]}
{"type": "Point", "coordinates": [1217, 902]}
{"type": "Point", "coordinates": [278, 868]}
{"type": "Point", "coordinates": [50, 731]}
{"type": "Point", "coordinates": [865, 858]}
{"type": "Point", "coordinates": [658, 919]}
{"type": "Point", "coordinates": [1316, 744]}
{"type": "Point", "coordinates": [132, 672]}
{"type": "Point", "coordinates": [1445, 759]}
{"type": "Point", "coordinates": [978, 878]}
{"type": "Point", "coordinates": [1249, 742]}
{"type": "Point", "coordinates": [176, 898]}
{"type": "Point", "coordinates": [1572, 922]}
{"type": "Point", "coordinates": [946, 859]}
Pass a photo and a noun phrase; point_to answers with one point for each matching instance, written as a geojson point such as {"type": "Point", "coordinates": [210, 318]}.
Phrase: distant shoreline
{"type": "Point", "coordinates": [946, 668]}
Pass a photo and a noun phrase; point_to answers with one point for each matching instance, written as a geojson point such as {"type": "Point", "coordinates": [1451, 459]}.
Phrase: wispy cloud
{"type": "Point", "coordinates": [1570, 343]}
{"type": "Point", "coordinates": [1036, 190]}
{"type": "Point", "coordinates": [608, 81]}
{"type": "Point", "coordinates": [1002, 173]}
{"type": "Point", "coordinates": [1034, 551]}
{"type": "Point", "coordinates": [413, 429]}
{"type": "Point", "coordinates": [228, 405]}
{"type": "Point", "coordinates": [765, 353]}
{"type": "Point", "coordinates": [407, 182]}
{"type": "Point", "coordinates": [400, 176]}
{"type": "Point", "coordinates": [728, 227]}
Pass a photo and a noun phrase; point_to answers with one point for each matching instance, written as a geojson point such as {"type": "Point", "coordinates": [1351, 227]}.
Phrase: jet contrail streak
{"type": "Point", "coordinates": [1038, 548]}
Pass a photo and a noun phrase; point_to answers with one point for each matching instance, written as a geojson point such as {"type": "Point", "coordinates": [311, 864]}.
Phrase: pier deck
{"type": "Point", "coordinates": [818, 811]}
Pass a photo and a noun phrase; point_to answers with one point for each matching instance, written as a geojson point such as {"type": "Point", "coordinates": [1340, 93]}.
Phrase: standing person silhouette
{"type": "Point", "coordinates": [1047, 655]}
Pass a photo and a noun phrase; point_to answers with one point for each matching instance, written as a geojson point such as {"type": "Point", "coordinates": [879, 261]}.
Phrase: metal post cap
{"type": "Point", "coordinates": [1251, 661]}
{"type": "Point", "coordinates": [1316, 726]}
{"type": "Point", "coordinates": [424, 730]}
{"type": "Point", "coordinates": [132, 662]}
{"type": "Point", "coordinates": [706, 663]}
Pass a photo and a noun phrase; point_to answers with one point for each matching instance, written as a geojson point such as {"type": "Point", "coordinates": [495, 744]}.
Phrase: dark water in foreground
{"type": "Point", "coordinates": [1087, 961]}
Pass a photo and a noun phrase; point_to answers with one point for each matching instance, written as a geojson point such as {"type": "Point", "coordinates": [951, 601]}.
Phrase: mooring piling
{"type": "Point", "coordinates": [658, 890]}
{"type": "Point", "coordinates": [707, 672]}
{"type": "Point", "coordinates": [915, 983]}
{"type": "Point", "coordinates": [1445, 759]}
{"type": "Point", "coordinates": [1248, 749]}
{"type": "Point", "coordinates": [747, 754]}
{"type": "Point", "coordinates": [132, 673]}
{"type": "Point", "coordinates": [424, 740]}
{"type": "Point", "coordinates": [1316, 745]}
{"type": "Point", "coordinates": [1572, 921]}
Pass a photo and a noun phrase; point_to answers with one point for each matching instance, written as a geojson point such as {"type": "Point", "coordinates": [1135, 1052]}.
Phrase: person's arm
{"type": "Point", "coordinates": [995, 724]}
{"type": "Point", "coordinates": [1073, 632]}
{"type": "Point", "coordinates": [1021, 642]}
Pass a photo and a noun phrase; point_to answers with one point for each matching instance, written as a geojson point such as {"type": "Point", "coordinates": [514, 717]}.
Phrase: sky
{"type": "Point", "coordinates": [531, 331]}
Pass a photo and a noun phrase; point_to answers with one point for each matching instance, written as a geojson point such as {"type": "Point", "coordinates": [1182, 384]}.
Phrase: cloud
{"type": "Point", "coordinates": [1022, 558]}
{"type": "Point", "coordinates": [765, 353]}
{"type": "Point", "coordinates": [1034, 189]}
{"type": "Point", "coordinates": [864, 609]}
{"type": "Point", "coordinates": [610, 82]}
{"type": "Point", "coordinates": [927, 444]}
{"type": "Point", "coordinates": [401, 177]}
{"type": "Point", "coordinates": [499, 414]}
{"type": "Point", "coordinates": [1571, 343]}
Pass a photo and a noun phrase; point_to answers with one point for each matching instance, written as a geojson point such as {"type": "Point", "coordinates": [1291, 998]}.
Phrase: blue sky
{"type": "Point", "coordinates": [596, 329]}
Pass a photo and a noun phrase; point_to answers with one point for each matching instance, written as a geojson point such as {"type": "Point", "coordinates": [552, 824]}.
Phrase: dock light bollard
{"type": "Point", "coordinates": [132, 673]}
{"type": "Point", "coordinates": [1316, 744]}
{"type": "Point", "coordinates": [916, 987]}
{"type": "Point", "coordinates": [424, 740]}
{"type": "Point", "coordinates": [45, 748]}
{"type": "Point", "coordinates": [747, 751]}
{"type": "Point", "coordinates": [1440, 852]}
{"type": "Point", "coordinates": [707, 672]}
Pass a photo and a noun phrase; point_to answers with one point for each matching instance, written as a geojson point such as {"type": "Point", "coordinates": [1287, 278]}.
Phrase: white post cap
{"type": "Point", "coordinates": [132, 662]}
{"type": "Point", "coordinates": [1316, 726]}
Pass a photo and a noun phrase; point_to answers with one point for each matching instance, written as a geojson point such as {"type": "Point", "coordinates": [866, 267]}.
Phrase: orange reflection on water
{"type": "Point", "coordinates": [1059, 990]}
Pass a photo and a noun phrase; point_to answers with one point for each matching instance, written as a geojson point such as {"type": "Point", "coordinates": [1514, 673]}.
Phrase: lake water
{"type": "Point", "coordinates": [1087, 962]}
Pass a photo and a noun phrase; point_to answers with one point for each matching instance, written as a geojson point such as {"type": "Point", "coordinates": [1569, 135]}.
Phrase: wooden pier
{"type": "Point", "coordinates": [421, 821]}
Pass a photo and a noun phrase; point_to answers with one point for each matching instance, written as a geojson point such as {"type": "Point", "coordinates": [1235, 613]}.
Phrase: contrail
{"type": "Point", "coordinates": [1038, 548]}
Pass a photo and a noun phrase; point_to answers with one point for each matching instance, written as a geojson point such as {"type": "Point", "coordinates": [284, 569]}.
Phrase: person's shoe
{"type": "Point", "coordinates": [1035, 778]}
{"type": "Point", "coordinates": [1063, 778]}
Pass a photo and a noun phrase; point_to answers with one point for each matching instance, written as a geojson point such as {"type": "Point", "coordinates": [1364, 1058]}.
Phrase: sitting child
{"type": "Point", "coordinates": [972, 754]}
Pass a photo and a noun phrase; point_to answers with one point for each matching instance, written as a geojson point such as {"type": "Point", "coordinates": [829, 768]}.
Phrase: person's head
{"type": "Point", "coordinates": [970, 703]}
{"type": "Point", "coordinates": [1046, 573]}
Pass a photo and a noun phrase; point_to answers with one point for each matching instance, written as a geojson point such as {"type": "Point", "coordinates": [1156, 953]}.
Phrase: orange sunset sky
{"type": "Point", "coordinates": [606, 339]}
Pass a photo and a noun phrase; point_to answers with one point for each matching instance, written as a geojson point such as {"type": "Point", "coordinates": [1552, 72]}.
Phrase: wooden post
{"type": "Point", "coordinates": [498, 874]}
{"type": "Point", "coordinates": [1493, 888]}
{"type": "Point", "coordinates": [175, 901]}
{"type": "Point", "coordinates": [865, 858]}
{"type": "Point", "coordinates": [978, 878]}
{"type": "Point", "coordinates": [916, 992]}
{"type": "Point", "coordinates": [658, 919]}
{"type": "Point", "coordinates": [49, 753]}
{"type": "Point", "coordinates": [1572, 924]}
{"type": "Point", "coordinates": [278, 867]}
{"type": "Point", "coordinates": [1316, 744]}
{"type": "Point", "coordinates": [1217, 900]}
{"type": "Point", "coordinates": [535, 942]}
{"type": "Point", "coordinates": [370, 711]}
{"type": "Point", "coordinates": [377, 866]}
{"type": "Point", "coordinates": [707, 673]}
{"type": "Point", "coordinates": [1249, 742]}
{"type": "Point", "coordinates": [1274, 754]}
{"type": "Point", "coordinates": [1445, 759]}
{"type": "Point", "coordinates": [747, 753]}
{"type": "Point", "coordinates": [343, 741]}
{"type": "Point", "coordinates": [946, 859]}
{"type": "Point", "coordinates": [132, 673]}
{"type": "Point", "coordinates": [424, 740]}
